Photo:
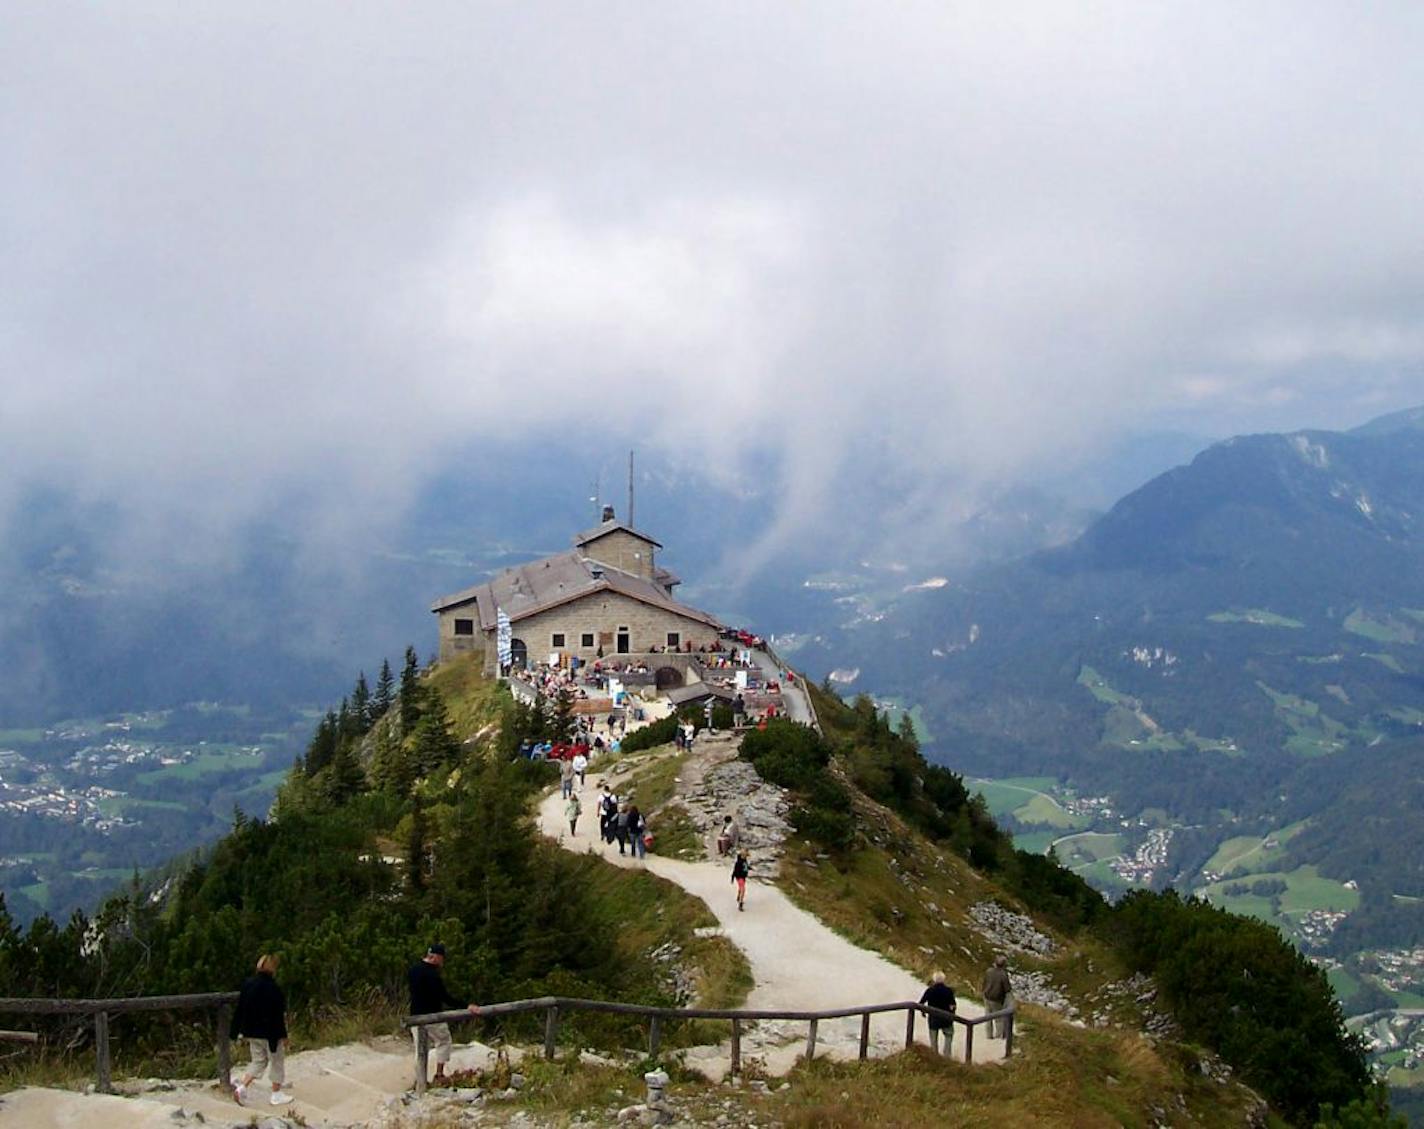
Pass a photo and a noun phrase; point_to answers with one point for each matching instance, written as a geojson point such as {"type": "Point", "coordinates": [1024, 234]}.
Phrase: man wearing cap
{"type": "Point", "coordinates": [427, 996]}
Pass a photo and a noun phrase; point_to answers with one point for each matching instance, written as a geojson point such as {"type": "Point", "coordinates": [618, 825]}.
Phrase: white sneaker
{"type": "Point", "coordinates": [279, 1098]}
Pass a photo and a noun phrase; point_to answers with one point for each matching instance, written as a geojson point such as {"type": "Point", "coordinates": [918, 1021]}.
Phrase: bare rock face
{"type": "Point", "coordinates": [1009, 931]}
{"type": "Point", "coordinates": [734, 788]}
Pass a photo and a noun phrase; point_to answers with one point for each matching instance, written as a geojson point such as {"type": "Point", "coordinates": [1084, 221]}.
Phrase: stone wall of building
{"type": "Point", "coordinates": [623, 551]}
{"type": "Point", "coordinates": [452, 644]}
{"type": "Point", "coordinates": [600, 614]}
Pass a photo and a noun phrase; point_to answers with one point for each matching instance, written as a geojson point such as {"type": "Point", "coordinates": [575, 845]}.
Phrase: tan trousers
{"type": "Point", "coordinates": [262, 1058]}
{"type": "Point", "coordinates": [439, 1036]}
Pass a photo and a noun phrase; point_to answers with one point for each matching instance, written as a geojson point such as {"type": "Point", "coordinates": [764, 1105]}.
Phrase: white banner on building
{"type": "Point", "coordinates": [503, 637]}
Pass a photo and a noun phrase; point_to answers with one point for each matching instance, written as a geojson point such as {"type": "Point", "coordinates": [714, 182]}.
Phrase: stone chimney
{"type": "Point", "coordinates": [607, 513]}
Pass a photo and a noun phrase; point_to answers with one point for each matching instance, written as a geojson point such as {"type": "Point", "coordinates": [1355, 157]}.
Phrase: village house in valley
{"type": "Point", "coordinates": [606, 596]}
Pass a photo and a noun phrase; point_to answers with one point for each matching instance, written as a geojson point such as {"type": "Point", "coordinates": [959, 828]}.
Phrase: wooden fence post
{"type": "Point", "coordinates": [969, 1042]}
{"type": "Point", "coordinates": [224, 1045]}
{"type": "Point", "coordinates": [101, 1050]}
{"type": "Point", "coordinates": [422, 1058]}
{"type": "Point", "coordinates": [1008, 1034]}
{"type": "Point", "coordinates": [736, 1048]}
{"type": "Point", "coordinates": [811, 1041]}
{"type": "Point", "coordinates": [551, 1031]}
{"type": "Point", "coordinates": [654, 1036]}
{"type": "Point", "coordinates": [864, 1036]}
{"type": "Point", "coordinates": [909, 1027]}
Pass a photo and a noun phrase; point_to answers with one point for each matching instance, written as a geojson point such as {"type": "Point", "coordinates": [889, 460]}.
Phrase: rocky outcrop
{"type": "Point", "coordinates": [723, 785]}
{"type": "Point", "coordinates": [1010, 932]}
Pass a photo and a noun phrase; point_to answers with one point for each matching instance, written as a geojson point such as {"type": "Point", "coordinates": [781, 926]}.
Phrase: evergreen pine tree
{"type": "Point", "coordinates": [416, 849]}
{"type": "Point", "coordinates": [361, 704]}
{"type": "Point", "coordinates": [345, 778]}
{"type": "Point", "coordinates": [561, 719]}
{"type": "Point", "coordinates": [390, 764]}
{"type": "Point", "coordinates": [323, 744]}
{"type": "Point", "coordinates": [385, 692]}
{"type": "Point", "coordinates": [907, 733]}
{"type": "Point", "coordinates": [346, 721]}
{"type": "Point", "coordinates": [432, 745]}
{"type": "Point", "coordinates": [410, 693]}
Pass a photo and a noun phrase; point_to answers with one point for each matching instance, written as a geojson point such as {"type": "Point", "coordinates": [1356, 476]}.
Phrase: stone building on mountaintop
{"type": "Point", "coordinates": [605, 597]}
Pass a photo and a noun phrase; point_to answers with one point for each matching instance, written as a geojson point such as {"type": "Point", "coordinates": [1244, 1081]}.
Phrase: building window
{"type": "Point", "coordinates": [586, 640]}
{"type": "Point", "coordinates": [556, 640]}
{"type": "Point", "coordinates": [464, 627]}
{"type": "Point", "coordinates": [674, 640]}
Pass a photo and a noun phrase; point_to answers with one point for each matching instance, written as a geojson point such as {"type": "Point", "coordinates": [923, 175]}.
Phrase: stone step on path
{"type": "Point", "coordinates": [356, 1084]}
{"type": "Point", "coordinates": [797, 962]}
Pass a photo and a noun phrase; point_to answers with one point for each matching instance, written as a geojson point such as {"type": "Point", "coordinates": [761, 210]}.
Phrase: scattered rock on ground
{"type": "Point", "coordinates": [1009, 931]}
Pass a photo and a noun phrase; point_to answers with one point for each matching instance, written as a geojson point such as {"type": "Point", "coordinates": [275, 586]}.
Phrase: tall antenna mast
{"type": "Point", "coordinates": [630, 487]}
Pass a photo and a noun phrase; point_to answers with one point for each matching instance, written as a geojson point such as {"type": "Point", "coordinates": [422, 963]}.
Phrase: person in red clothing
{"type": "Point", "coordinates": [740, 869]}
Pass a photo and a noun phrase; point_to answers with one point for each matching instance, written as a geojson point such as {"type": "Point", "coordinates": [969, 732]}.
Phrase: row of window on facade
{"type": "Point", "coordinates": [558, 640]}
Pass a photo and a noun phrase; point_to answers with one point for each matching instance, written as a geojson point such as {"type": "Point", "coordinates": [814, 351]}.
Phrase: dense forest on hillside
{"type": "Point", "coordinates": [406, 821]}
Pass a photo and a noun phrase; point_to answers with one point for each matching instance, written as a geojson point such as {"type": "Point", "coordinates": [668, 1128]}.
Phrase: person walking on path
{"type": "Point", "coordinates": [740, 869]}
{"type": "Point", "coordinates": [998, 994]}
{"type": "Point", "coordinates": [261, 1016]}
{"type": "Point", "coordinates": [580, 763]}
{"type": "Point", "coordinates": [940, 995]}
{"type": "Point", "coordinates": [572, 810]}
{"type": "Point", "coordinates": [429, 995]}
{"type": "Point", "coordinates": [637, 825]}
{"type": "Point", "coordinates": [620, 828]}
{"type": "Point", "coordinates": [566, 777]}
{"type": "Point", "coordinates": [607, 813]}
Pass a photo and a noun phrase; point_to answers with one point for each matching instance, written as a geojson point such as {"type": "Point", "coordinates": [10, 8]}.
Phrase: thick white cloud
{"type": "Point", "coordinates": [265, 251]}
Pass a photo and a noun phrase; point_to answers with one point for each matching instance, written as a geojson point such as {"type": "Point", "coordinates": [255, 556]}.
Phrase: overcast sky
{"type": "Point", "coordinates": [252, 252]}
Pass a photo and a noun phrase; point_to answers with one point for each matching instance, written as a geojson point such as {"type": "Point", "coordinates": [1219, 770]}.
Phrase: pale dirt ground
{"type": "Point", "coordinates": [342, 1085]}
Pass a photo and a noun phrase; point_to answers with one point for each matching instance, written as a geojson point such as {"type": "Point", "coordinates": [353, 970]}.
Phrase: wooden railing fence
{"type": "Point", "coordinates": [102, 1009]}
{"type": "Point", "coordinates": [554, 1006]}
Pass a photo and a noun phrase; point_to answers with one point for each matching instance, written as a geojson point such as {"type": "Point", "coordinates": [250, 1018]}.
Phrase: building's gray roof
{"type": "Point", "coordinates": [608, 527]}
{"type": "Point", "coordinates": [681, 695]}
{"type": "Point", "coordinates": [666, 577]}
{"type": "Point", "coordinates": [525, 589]}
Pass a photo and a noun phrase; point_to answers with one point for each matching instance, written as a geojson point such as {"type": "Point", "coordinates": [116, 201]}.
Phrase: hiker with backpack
{"type": "Point", "coordinates": [607, 813]}
{"type": "Point", "coordinates": [740, 869]}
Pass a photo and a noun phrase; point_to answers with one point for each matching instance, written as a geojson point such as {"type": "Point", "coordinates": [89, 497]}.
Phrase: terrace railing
{"type": "Point", "coordinates": [102, 1009]}
{"type": "Point", "coordinates": [554, 1007]}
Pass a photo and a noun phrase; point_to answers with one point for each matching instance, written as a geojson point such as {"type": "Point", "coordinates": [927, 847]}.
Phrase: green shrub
{"type": "Point", "coordinates": [658, 733]}
{"type": "Point", "coordinates": [1235, 985]}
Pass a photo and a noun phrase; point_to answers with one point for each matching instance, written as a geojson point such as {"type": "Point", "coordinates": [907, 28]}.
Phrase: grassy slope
{"type": "Point", "coordinates": [881, 896]}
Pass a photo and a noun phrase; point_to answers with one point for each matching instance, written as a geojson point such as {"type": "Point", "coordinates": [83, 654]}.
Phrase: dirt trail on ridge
{"type": "Point", "coordinates": [797, 962]}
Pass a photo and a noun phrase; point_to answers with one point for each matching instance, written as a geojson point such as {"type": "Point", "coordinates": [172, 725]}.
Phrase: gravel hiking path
{"type": "Point", "coordinates": [348, 1085]}
{"type": "Point", "coordinates": [796, 961]}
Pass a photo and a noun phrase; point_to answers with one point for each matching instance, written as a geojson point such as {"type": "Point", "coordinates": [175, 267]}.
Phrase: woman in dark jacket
{"type": "Point", "coordinates": [261, 1017]}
